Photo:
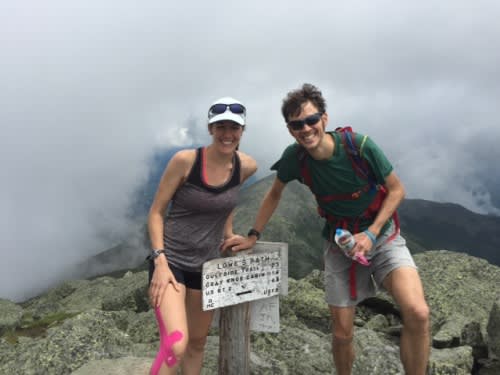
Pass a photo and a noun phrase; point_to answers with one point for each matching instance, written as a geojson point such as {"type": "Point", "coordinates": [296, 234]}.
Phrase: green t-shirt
{"type": "Point", "coordinates": [336, 176]}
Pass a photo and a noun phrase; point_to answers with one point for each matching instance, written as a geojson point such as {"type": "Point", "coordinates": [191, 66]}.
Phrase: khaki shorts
{"type": "Point", "coordinates": [384, 258]}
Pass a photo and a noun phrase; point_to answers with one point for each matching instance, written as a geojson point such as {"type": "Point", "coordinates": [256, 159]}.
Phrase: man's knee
{"type": "Point", "coordinates": [417, 316]}
{"type": "Point", "coordinates": [343, 328]}
{"type": "Point", "coordinates": [341, 340]}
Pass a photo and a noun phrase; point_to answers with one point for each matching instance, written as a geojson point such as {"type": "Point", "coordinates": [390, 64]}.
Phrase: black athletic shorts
{"type": "Point", "coordinates": [191, 280]}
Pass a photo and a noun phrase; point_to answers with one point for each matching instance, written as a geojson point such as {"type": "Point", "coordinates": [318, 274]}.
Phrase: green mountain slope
{"type": "Point", "coordinates": [295, 222]}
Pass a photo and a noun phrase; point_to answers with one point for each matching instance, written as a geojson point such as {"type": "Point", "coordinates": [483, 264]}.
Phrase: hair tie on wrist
{"type": "Point", "coordinates": [371, 236]}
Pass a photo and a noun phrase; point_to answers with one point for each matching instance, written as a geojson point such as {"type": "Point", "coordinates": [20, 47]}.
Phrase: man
{"type": "Point", "coordinates": [363, 203]}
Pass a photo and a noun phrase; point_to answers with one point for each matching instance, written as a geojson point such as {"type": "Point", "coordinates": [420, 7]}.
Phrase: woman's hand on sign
{"type": "Point", "coordinates": [162, 276]}
{"type": "Point", "coordinates": [236, 243]}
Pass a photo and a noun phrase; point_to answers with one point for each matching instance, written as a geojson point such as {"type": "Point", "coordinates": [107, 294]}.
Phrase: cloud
{"type": "Point", "coordinates": [90, 89]}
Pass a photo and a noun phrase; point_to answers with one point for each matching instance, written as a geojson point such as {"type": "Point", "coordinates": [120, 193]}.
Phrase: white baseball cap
{"type": "Point", "coordinates": [227, 109]}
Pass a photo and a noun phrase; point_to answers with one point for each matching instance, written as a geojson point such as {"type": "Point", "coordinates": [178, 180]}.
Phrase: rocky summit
{"type": "Point", "coordinates": [105, 326]}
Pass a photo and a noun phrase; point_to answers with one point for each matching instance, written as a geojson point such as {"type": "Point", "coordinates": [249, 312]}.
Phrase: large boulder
{"type": "Point", "coordinates": [126, 293]}
{"type": "Point", "coordinates": [452, 361]}
{"type": "Point", "coordinates": [458, 331]}
{"type": "Point", "coordinates": [457, 282]}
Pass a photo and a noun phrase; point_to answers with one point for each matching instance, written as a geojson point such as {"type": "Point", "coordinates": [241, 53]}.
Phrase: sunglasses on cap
{"type": "Point", "coordinates": [220, 108]}
{"type": "Point", "coordinates": [309, 120]}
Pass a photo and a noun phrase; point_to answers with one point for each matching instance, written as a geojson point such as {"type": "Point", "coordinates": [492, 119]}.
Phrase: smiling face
{"type": "Point", "coordinates": [226, 135]}
{"type": "Point", "coordinates": [312, 136]}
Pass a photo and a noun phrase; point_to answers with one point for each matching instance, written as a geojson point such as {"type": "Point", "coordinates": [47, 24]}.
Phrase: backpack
{"type": "Point", "coordinates": [364, 171]}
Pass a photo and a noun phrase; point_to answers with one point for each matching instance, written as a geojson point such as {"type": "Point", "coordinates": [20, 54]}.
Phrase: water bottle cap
{"type": "Point", "coordinates": [338, 231]}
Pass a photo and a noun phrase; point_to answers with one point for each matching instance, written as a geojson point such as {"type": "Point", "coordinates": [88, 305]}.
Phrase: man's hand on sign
{"type": "Point", "coordinates": [237, 243]}
{"type": "Point", "coordinates": [162, 276]}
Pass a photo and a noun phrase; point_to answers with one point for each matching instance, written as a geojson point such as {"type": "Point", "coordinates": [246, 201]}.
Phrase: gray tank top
{"type": "Point", "coordinates": [194, 226]}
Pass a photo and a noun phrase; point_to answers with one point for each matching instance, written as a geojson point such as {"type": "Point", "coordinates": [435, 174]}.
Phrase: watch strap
{"type": "Point", "coordinates": [253, 232]}
{"type": "Point", "coordinates": [155, 254]}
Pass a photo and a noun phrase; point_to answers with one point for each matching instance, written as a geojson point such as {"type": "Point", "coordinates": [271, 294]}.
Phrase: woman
{"type": "Point", "coordinates": [202, 186]}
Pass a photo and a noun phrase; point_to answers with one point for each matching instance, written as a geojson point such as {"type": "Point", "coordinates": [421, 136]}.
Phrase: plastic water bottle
{"type": "Point", "coordinates": [345, 241]}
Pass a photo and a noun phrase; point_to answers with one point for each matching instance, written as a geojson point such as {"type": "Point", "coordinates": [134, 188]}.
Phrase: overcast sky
{"type": "Point", "coordinates": [89, 89]}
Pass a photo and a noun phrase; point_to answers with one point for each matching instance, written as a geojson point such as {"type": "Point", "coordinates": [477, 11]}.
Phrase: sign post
{"type": "Point", "coordinates": [234, 339]}
{"type": "Point", "coordinates": [248, 282]}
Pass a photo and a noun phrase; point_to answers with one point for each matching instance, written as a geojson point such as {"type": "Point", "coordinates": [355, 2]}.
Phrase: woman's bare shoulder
{"type": "Point", "coordinates": [184, 157]}
{"type": "Point", "coordinates": [248, 164]}
{"type": "Point", "coordinates": [181, 162]}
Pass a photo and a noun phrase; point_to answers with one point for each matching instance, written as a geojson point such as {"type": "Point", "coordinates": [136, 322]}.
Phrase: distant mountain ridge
{"type": "Point", "coordinates": [452, 227]}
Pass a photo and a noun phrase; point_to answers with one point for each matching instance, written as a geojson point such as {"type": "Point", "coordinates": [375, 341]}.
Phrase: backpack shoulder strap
{"type": "Point", "coordinates": [359, 164]}
{"type": "Point", "coordinates": [304, 169]}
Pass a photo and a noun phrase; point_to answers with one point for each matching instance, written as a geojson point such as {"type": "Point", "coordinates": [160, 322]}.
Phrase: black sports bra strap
{"type": "Point", "coordinates": [196, 174]}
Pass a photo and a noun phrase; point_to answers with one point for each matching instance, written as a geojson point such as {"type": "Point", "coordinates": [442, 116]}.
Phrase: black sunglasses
{"type": "Point", "coordinates": [219, 108]}
{"type": "Point", "coordinates": [309, 120]}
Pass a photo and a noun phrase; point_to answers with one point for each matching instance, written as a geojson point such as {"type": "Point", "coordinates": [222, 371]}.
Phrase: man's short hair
{"type": "Point", "coordinates": [295, 100]}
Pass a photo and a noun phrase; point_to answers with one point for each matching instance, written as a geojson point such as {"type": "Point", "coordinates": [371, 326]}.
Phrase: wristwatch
{"type": "Point", "coordinates": [253, 232]}
{"type": "Point", "coordinates": [155, 254]}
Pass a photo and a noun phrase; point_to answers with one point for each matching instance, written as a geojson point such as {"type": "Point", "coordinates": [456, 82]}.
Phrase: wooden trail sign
{"type": "Point", "coordinates": [264, 313]}
{"type": "Point", "coordinates": [258, 276]}
{"type": "Point", "coordinates": [242, 278]}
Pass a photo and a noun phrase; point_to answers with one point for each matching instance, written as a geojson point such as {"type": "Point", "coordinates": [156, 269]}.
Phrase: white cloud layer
{"type": "Point", "coordinates": [89, 89]}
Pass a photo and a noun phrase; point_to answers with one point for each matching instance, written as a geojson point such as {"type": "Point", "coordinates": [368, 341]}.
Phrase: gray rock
{"type": "Point", "coordinates": [77, 335]}
{"type": "Point", "coordinates": [308, 304]}
{"type": "Point", "coordinates": [375, 354]}
{"type": "Point", "coordinates": [316, 278]}
{"type": "Point", "coordinates": [472, 336]}
{"type": "Point", "coordinates": [119, 366]}
{"type": "Point", "coordinates": [494, 330]}
{"type": "Point", "coordinates": [489, 367]}
{"type": "Point", "coordinates": [10, 316]}
{"type": "Point", "coordinates": [295, 350]}
{"type": "Point", "coordinates": [454, 361]}
{"type": "Point", "coordinates": [377, 323]}
{"type": "Point", "coordinates": [132, 294]}
{"type": "Point", "coordinates": [457, 282]}
{"type": "Point", "coordinates": [450, 333]}
{"type": "Point", "coordinates": [108, 293]}
{"type": "Point", "coordinates": [142, 328]}
{"type": "Point", "coordinates": [88, 336]}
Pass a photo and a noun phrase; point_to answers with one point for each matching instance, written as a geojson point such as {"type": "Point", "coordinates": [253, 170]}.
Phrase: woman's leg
{"type": "Point", "coordinates": [199, 322]}
{"type": "Point", "coordinates": [172, 324]}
